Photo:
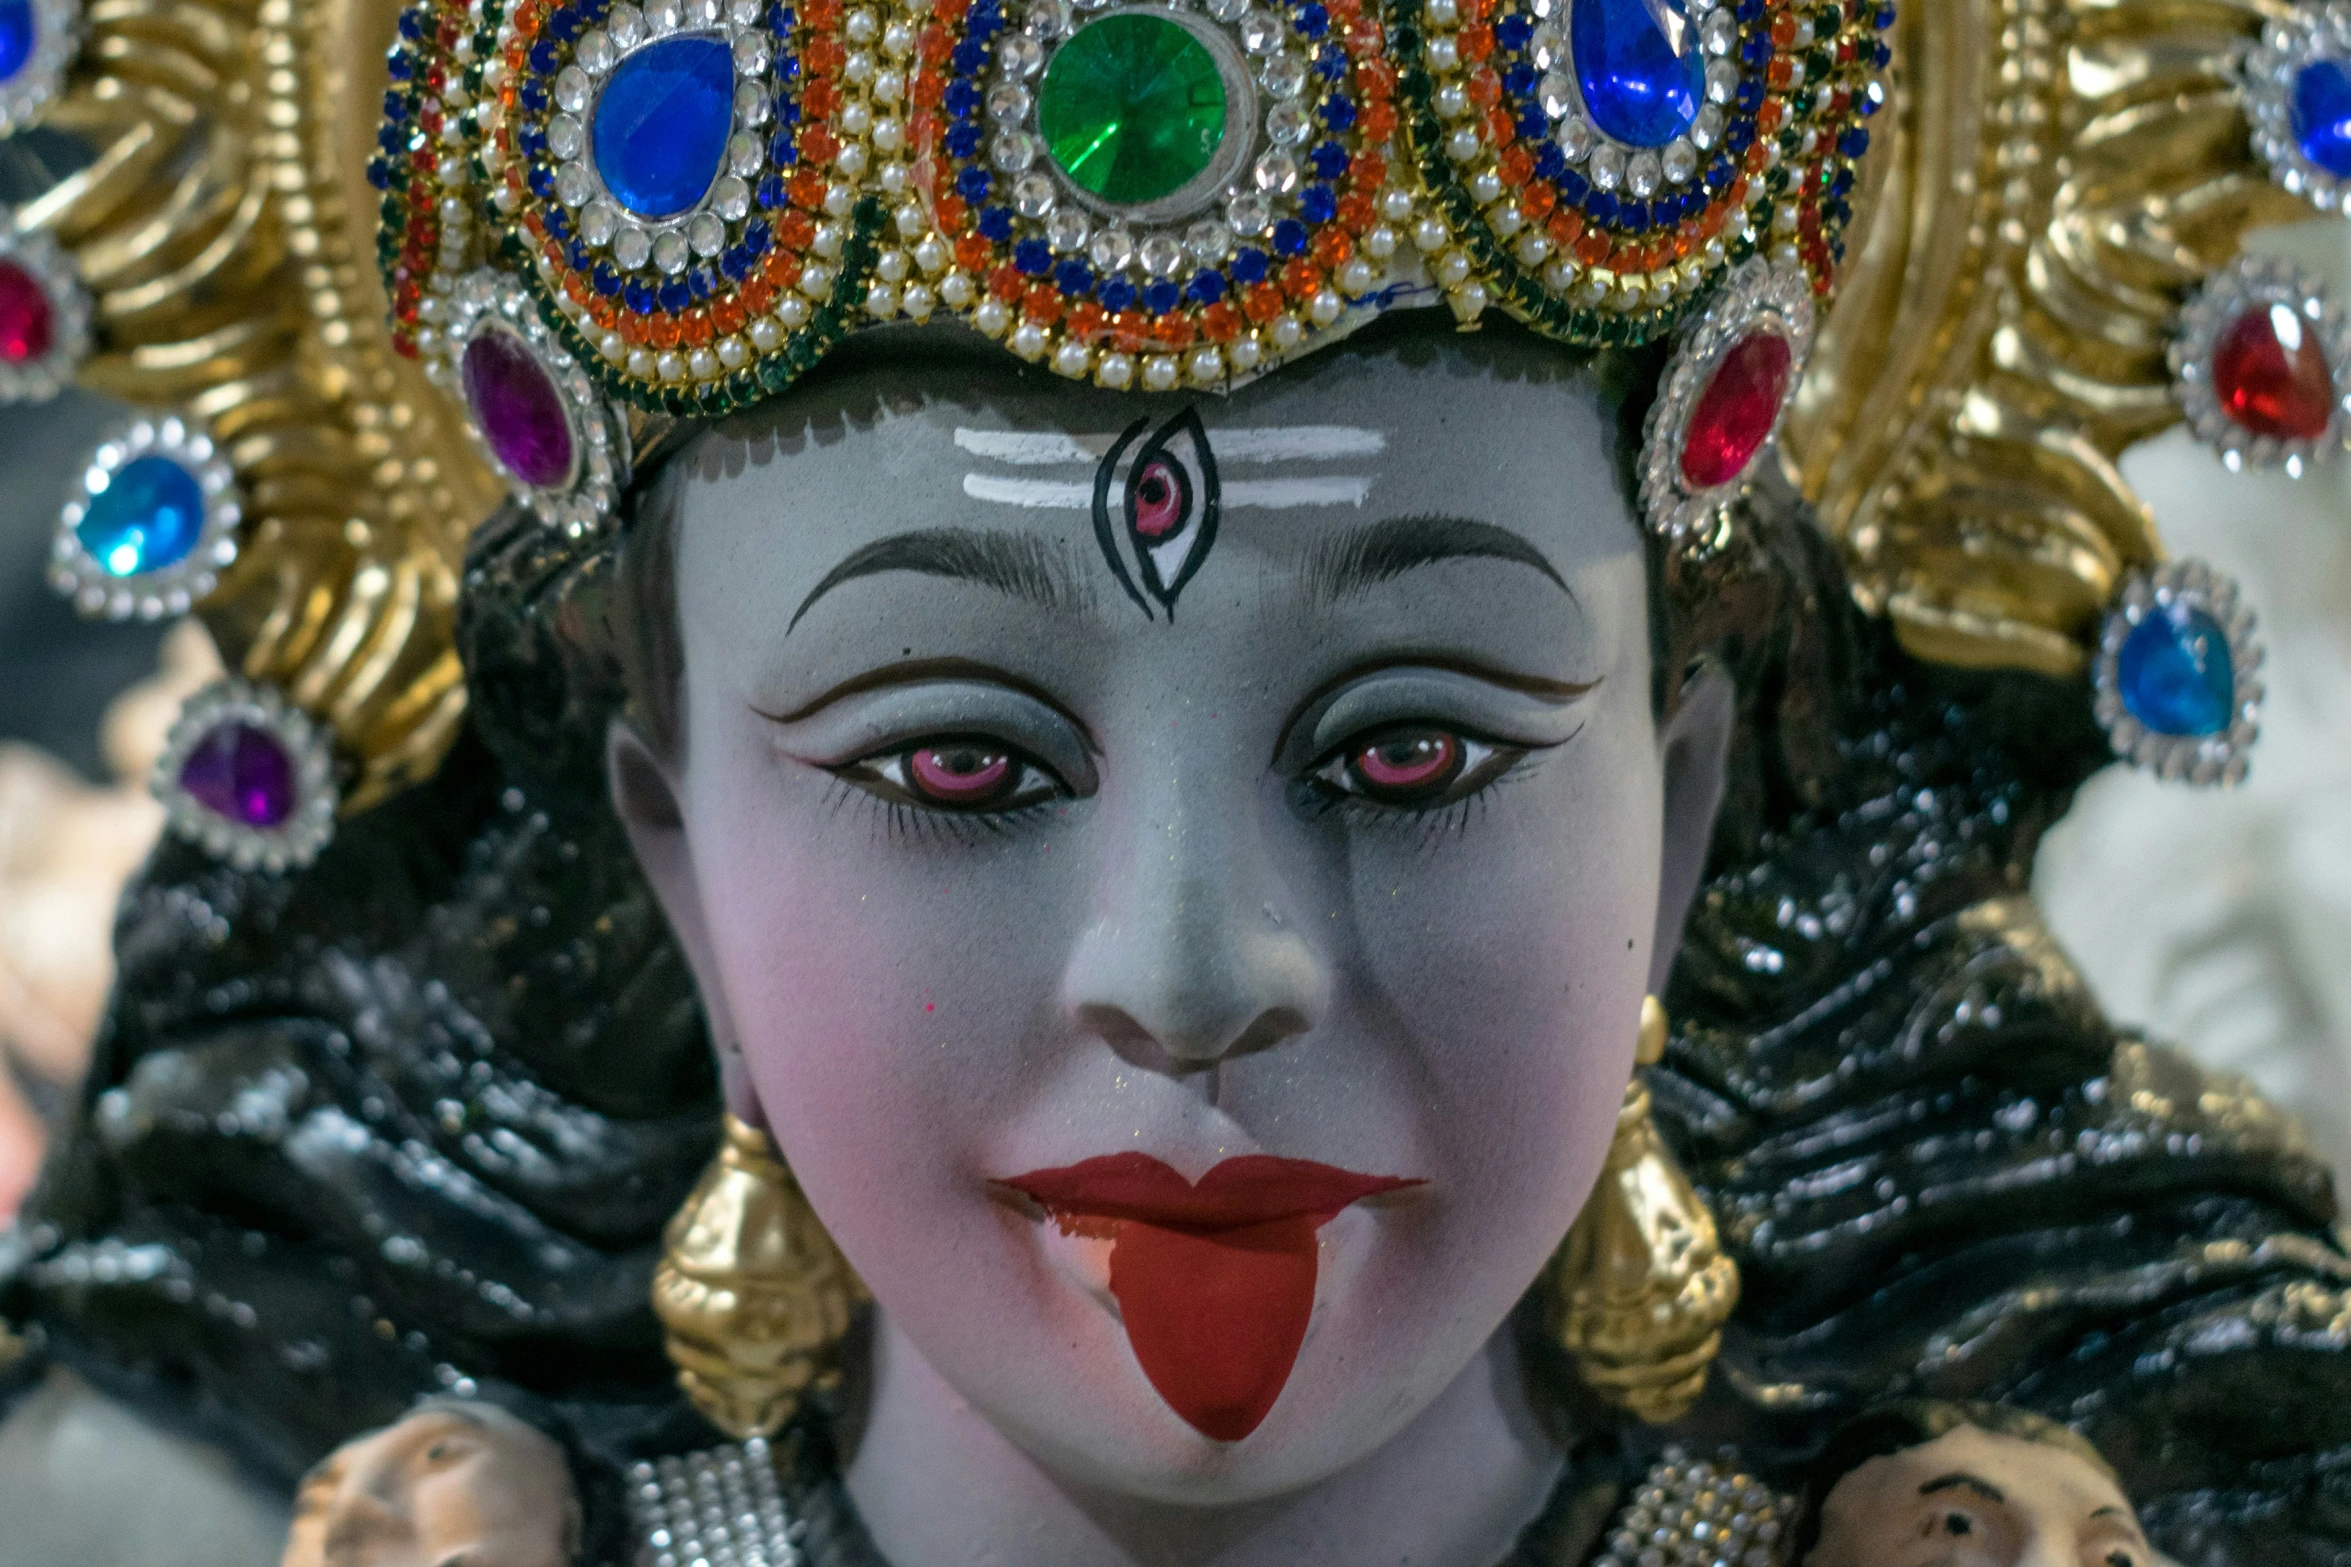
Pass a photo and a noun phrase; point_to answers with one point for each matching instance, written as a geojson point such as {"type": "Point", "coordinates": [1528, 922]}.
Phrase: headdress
{"type": "Point", "coordinates": [364, 274]}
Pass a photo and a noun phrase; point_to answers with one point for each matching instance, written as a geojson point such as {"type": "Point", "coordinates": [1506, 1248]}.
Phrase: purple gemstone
{"type": "Point", "coordinates": [242, 772]}
{"type": "Point", "coordinates": [518, 409]}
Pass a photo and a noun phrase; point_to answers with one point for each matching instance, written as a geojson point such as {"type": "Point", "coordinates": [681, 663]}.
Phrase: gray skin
{"type": "Point", "coordinates": [1198, 939]}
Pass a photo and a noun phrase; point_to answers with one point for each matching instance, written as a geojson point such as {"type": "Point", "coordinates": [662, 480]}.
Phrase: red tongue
{"type": "Point", "coordinates": [1216, 1317]}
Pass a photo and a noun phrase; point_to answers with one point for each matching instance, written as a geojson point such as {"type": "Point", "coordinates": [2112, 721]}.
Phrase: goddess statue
{"type": "Point", "coordinates": [1175, 781]}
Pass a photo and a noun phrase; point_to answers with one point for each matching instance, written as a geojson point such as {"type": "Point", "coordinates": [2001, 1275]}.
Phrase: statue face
{"type": "Point", "coordinates": [1181, 876]}
{"type": "Point", "coordinates": [1973, 1499]}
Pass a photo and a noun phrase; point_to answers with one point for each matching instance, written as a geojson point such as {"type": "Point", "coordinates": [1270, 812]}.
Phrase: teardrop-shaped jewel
{"type": "Point", "coordinates": [1640, 66]}
{"type": "Point", "coordinates": [660, 127]}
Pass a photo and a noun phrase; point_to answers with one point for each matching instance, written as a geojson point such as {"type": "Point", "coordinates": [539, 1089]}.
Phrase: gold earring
{"type": "Point", "coordinates": [1640, 1289]}
{"type": "Point", "coordinates": [754, 1297]}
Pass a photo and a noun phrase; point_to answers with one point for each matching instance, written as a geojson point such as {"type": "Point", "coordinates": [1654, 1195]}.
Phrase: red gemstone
{"type": "Point", "coordinates": [28, 324]}
{"type": "Point", "coordinates": [2272, 376]}
{"type": "Point", "coordinates": [1734, 415]}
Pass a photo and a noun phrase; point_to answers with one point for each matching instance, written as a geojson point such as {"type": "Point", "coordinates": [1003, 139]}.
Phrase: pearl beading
{"type": "Point", "coordinates": [1690, 1513]}
{"type": "Point", "coordinates": [722, 1507]}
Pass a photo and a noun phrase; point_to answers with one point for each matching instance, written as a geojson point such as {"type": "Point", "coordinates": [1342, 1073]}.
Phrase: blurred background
{"type": "Point", "coordinates": [2217, 920]}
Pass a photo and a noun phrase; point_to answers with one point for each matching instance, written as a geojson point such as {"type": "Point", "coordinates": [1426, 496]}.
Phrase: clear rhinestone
{"type": "Point", "coordinates": [594, 52]}
{"type": "Point", "coordinates": [626, 24]}
{"type": "Point", "coordinates": [1608, 167]}
{"type": "Point", "coordinates": [572, 185]}
{"type": "Point", "coordinates": [572, 88]}
{"type": "Point", "coordinates": [730, 198]}
{"type": "Point", "coordinates": [1680, 161]}
{"type": "Point", "coordinates": [1706, 129]}
{"type": "Point", "coordinates": [1719, 34]}
{"type": "Point", "coordinates": [1228, 10]}
{"type": "Point", "coordinates": [565, 138]}
{"type": "Point", "coordinates": [745, 155]}
{"type": "Point", "coordinates": [1250, 212]}
{"type": "Point", "coordinates": [1033, 195]}
{"type": "Point", "coordinates": [1286, 124]}
{"type": "Point", "coordinates": [1575, 138]}
{"type": "Point", "coordinates": [1557, 94]}
{"type": "Point", "coordinates": [1262, 32]}
{"type": "Point", "coordinates": [1013, 151]}
{"type": "Point", "coordinates": [751, 104]}
{"type": "Point", "coordinates": [598, 222]}
{"type": "Point", "coordinates": [1019, 56]}
{"type": "Point", "coordinates": [670, 253]}
{"type": "Point", "coordinates": [1722, 81]}
{"type": "Point", "coordinates": [1284, 75]}
{"type": "Point", "coordinates": [1066, 230]}
{"type": "Point", "coordinates": [1008, 101]}
{"type": "Point", "coordinates": [1208, 241]}
{"type": "Point", "coordinates": [1641, 174]}
{"type": "Point", "coordinates": [631, 247]}
{"type": "Point", "coordinates": [1546, 48]}
{"type": "Point", "coordinates": [707, 234]}
{"type": "Point", "coordinates": [751, 52]}
{"type": "Point", "coordinates": [1161, 255]}
{"type": "Point", "coordinates": [1277, 172]}
{"type": "Point", "coordinates": [1112, 248]}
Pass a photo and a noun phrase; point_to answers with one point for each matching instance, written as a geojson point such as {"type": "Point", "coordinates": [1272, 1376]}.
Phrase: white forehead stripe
{"type": "Point", "coordinates": [1058, 495]}
{"type": "Point", "coordinates": [1275, 443]}
{"type": "Point", "coordinates": [1297, 443]}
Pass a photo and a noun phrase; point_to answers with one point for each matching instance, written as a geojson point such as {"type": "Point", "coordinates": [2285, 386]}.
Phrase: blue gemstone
{"type": "Point", "coordinates": [659, 129]}
{"type": "Point", "coordinates": [1640, 68]}
{"type": "Point", "coordinates": [2322, 115]}
{"type": "Point", "coordinates": [148, 517]}
{"type": "Point", "coordinates": [2175, 673]}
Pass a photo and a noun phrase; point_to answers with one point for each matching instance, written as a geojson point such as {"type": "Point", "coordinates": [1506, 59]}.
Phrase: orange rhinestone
{"type": "Point", "coordinates": [1220, 322]}
{"type": "Point", "coordinates": [972, 252]}
{"type": "Point", "coordinates": [1592, 249]}
{"type": "Point", "coordinates": [1006, 282]}
{"type": "Point", "coordinates": [1041, 304]}
{"type": "Point", "coordinates": [1299, 278]}
{"type": "Point", "coordinates": [1332, 247]}
{"type": "Point", "coordinates": [1172, 331]}
{"type": "Point", "coordinates": [1264, 302]}
{"type": "Point", "coordinates": [1357, 212]}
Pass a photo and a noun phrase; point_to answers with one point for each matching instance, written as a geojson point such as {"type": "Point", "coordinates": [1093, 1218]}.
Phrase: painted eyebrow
{"type": "Point", "coordinates": [1964, 1482]}
{"type": "Point", "coordinates": [928, 671]}
{"type": "Point", "coordinates": [1020, 564]}
{"type": "Point", "coordinates": [1338, 568]}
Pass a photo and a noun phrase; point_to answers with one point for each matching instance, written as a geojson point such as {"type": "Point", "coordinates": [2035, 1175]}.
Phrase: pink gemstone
{"type": "Point", "coordinates": [2272, 375]}
{"type": "Point", "coordinates": [28, 323]}
{"type": "Point", "coordinates": [1734, 415]}
{"type": "Point", "coordinates": [242, 772]}
{"type": "Point", "coordinates": [518, 409]}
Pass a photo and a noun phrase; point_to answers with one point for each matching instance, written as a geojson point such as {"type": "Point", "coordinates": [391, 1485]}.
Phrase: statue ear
{"type": "Point", "coordinates": [1696, 747]}
{"type": "Point", "coordinates": [645, 794]}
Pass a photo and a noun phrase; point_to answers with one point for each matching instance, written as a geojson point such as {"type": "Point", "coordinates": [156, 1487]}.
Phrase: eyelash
{"type": "Point", "coordinates": [881, 781]}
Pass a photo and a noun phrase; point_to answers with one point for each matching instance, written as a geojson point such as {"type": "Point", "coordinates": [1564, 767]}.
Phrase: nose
{"type": "Point", "coordinates": [1190, 960]}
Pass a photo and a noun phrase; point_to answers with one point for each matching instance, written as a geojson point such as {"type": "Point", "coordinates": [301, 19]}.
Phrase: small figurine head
{"type": "Point", "coordinates": [1966, 1485]}
{"type": "Point", "coordinates": [453, 1482]}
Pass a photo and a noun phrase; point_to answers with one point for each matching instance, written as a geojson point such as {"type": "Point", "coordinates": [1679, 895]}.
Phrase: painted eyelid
{"type": "Point", "coordinates": [1440, 698]}
{"type": "Point", "coordinates": [872, 722]}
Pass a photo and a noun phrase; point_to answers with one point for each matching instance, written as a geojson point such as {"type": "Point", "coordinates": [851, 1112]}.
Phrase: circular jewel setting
{"type": "Point", "coordinates": [37, 42]}
{"type": "Point", "coordinates": [1731, 377]}
{"type": "Point", "coordinates": [2296, 86]}
{"type": "Point", "coordinates": [1602, 162]}
{"type": "Point", "coordinates": [44, 316]}
{"type": "Point", "coordinates": [2176, 675]}
{"type": "Point", "coordinates": [684, 177]}
{"type": "Point", "coordinates": [152, 524]}
{"type": "Point", "coordinates": [2262, 364]}
{"type": "Point", "coordinates": [249, 777]}
{"type": "Point", "coordinates": [535, 413]}
{"type": "Point", "coordinates": [1161, 194]}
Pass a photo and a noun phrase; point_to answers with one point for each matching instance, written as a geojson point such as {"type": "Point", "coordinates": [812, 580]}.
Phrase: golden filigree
{"type": "Point", "coordinates": [2059, 174]}
{"type": "Point", "coordinates": [1640, 1289]}
{"type": "Point", "coordinates": [223, 229]}
{"type": "Point", "coordinates": [752, 1293]}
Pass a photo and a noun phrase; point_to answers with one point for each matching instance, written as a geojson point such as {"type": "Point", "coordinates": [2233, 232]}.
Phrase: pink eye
{"type": "Point", "coordinates": [1408, 764]}
{"type": "Point", "coordinates": [960, 775]}
{"type": "Point", "coordinates": [1159, 501]}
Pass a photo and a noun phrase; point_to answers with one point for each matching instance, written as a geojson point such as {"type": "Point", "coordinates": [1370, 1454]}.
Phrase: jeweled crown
{"type": "Point", "coordinates": [595, 217]}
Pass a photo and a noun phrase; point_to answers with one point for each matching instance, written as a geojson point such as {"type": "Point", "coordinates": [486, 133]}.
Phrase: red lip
{"type": "Point", "coordinates": [1215, 1281]}
{"type": "Point", "coordinates": [1253, 1189]}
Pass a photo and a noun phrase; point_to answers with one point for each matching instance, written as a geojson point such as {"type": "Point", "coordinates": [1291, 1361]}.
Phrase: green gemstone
{"type": "Point", "coordinates": [1132, 107]}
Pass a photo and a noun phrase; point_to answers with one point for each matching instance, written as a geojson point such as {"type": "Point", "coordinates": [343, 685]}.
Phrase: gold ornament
{"type": "Point", "coordinates": [1640, 1289]}
{"type": "Point", "coordinates": [753, 1295]}
{"type": "Point", "coordinates": [2051, 179]}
